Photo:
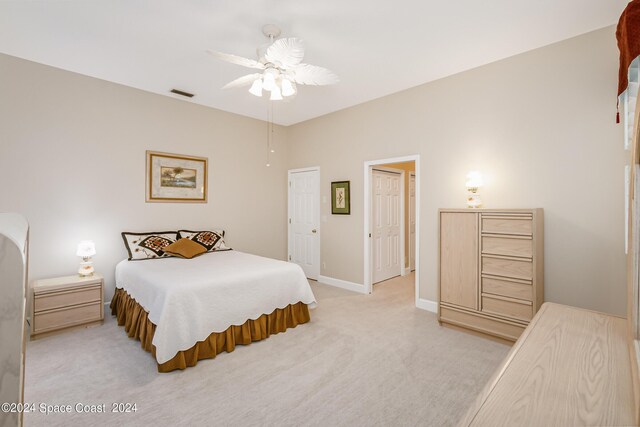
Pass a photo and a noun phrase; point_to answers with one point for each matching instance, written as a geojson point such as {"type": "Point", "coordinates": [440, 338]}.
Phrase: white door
{"type": "Point", "coordinates": [386, 225]}
{"type": "Point", "coordinates": [412, 222]}
{"type": "Point", "coordinates": [304, 221]}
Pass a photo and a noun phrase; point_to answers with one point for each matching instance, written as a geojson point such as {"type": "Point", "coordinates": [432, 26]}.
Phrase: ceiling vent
{"type": "Point", "coordinates": [182, 93]}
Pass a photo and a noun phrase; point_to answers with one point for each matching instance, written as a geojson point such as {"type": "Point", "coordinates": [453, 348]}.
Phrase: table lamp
{"type": "Point", "coordinates": [474, 182]}
{"type": "Point", "coordinates": [86, 249]}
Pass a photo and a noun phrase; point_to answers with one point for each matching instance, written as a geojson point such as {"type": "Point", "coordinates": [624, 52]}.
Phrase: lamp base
{"type": "Point", "coordinates": [86, 269]}
{"type": "Point", "coordinates": [473, 201]}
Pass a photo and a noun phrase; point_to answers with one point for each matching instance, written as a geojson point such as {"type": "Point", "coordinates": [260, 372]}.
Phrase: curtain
{"type": "Point", "coordinates": [628, 35]}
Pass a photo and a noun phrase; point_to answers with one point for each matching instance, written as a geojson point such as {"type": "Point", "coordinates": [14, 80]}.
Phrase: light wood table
{"type": "Point", "coordinates": [65, 302]}
{"type": "Point", "coordinates": [570, 367]}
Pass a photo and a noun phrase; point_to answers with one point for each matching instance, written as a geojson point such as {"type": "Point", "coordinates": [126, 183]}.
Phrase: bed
{"type": "Point", "coordinates": [185, 310]}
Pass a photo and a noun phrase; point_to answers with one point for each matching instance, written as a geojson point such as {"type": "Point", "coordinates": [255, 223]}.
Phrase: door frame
{"type": "Point", "coordinates": [367, 218]}
{"type": "Point", "coordinates": [415, 205]}
{"type": "Point", "coordinates": [400, 172]}
{"type": "Point", "coordinates": [289, 245]}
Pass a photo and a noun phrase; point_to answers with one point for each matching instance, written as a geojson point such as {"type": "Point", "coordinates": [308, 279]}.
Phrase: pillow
{"type": "Point", "coordinates": [213, 240]}
{"type": "Point", "coordinates": [148, 245]}
{"type": "Point", "coordinates": [185, 248]}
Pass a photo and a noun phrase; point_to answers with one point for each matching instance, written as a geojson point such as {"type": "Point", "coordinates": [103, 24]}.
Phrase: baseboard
{"type": "Point", "coordinates": [350, 286]}
{"type": "Point", "coordinates": [428, 305]}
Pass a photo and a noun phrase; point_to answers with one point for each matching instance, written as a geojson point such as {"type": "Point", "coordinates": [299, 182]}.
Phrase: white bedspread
{"type": "Point", "coordinates": [188, 299]}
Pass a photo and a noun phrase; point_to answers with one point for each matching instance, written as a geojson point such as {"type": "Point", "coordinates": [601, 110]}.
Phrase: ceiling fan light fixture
{"type": "Point", "coordinates": [276, 95]}
{"type": "Point", "coordinates": [256, 88]}
{"type": "Point", "coordinates": [269, 80]}
{"type": "Point", "coordinates": [287, 88]}
{"type": "Point", "coordinates": [280, 67]}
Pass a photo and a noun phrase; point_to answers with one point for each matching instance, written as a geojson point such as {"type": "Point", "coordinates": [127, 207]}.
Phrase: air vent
{"type": "Point", "coordinates": [182, 93]}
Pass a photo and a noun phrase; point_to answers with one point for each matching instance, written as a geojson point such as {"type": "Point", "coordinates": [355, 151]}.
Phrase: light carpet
{"type": "Point", "coordinates": [363, 360]}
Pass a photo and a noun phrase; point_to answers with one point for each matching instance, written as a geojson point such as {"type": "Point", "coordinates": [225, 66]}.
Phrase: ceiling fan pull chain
{"type": "Point", "coordinates": [268, 151]}
{"type": "Point", "coordinates": [272, 150]}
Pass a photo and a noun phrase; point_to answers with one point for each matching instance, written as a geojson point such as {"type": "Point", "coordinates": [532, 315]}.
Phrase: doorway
{"type": "Point", "coordinates": [382, 218]}
{"type": "Point", "coordinates": [304, 220]}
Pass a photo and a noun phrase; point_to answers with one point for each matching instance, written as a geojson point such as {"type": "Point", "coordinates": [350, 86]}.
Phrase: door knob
{"type": "Point", "coordinates": [314, 231]}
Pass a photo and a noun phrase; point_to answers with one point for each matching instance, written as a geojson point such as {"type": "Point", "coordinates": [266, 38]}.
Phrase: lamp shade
{"type": "Point", "coordinates": [256, 88]}
{"type": "Point", "coordinates": [287, 88]}
{"type": "Point", "coordinates": [474, 180]}
{"type": "Point", "coordinates": [276, 95]}
{"type": "Point", "coordinates": [86, 248]}
{"type": "Point", "coordinates": [268, 80]}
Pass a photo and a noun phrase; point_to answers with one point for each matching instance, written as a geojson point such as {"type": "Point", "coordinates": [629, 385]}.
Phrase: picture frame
{"type": "Point", "coordinates": [176, 178]}
{"type": "Point", "coordinates": [340, 198]}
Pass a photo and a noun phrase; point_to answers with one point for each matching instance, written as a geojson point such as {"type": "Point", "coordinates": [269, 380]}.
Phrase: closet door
{"type": "Point", "coordinates": [459, 259]}
{"type": "Point", "coordinates": [386, 225]}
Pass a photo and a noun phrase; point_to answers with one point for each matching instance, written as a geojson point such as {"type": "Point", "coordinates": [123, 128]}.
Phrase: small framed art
{"type": "Point", "coordinates": [176, 178]}
{"type": "Point", "coordinates": [340, 198]}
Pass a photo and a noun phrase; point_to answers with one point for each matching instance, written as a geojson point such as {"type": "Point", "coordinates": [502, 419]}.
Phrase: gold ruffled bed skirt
{"type": "Point", "coordinates": [137, 325]}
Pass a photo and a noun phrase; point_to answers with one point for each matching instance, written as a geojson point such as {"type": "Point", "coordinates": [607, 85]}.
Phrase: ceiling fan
{"type": "Point", "coordinates": [280, 65]}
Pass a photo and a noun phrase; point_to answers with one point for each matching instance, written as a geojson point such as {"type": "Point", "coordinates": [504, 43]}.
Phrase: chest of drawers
{"type": "Point", "coordinates": [65, 302]}
{"type": "Point", "coordinates": [491, 276]}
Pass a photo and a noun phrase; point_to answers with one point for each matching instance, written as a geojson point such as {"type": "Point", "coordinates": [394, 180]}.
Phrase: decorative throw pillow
{"type": "Point", "coordinates": [148, 245]}
{"type": "Point", "coordinates": [213, 240]}
{"type": "Point", "coordinates": [185, 248]}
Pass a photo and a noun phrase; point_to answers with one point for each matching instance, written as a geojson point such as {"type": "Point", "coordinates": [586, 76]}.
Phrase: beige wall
{"type": "Point", "coordinates": [539, 126]}
{"type": "Point", "coordinates": [72, 156]}
{"type": "Point", "coordinates": [407, 167]}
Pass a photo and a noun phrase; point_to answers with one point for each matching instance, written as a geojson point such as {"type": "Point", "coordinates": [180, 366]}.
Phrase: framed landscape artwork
{"type": "Point", "coordinates": [340, 198]}
{"type": "Point", "coordinates": [176, 178]}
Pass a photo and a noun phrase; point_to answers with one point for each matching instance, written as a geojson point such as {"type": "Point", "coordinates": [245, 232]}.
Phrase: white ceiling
{"type": "Point", "coordinates": [376, 47]}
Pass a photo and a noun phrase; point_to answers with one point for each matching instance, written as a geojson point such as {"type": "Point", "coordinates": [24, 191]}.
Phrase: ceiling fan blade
{"type": "Point", "coordinates": [306, 74]}
{"type": "Point", "coordinates": [238, 60]}
{"type": "Point", "coordinates": [242, 81]}
{"type": "Point", "coordinates": [285, 53]}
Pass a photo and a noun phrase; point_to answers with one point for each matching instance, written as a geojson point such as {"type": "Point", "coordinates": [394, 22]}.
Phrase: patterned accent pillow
{"type": "Point", "coordinates": [148, 245]}
{"type": "Point", "coordinates": [213, 240]}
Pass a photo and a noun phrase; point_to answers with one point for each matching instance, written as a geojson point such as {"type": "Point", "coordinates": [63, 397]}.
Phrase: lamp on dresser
{"type": "Point", "coordinates": [86, 249]}
{"type": "Point", "coordinates": [473, 184]}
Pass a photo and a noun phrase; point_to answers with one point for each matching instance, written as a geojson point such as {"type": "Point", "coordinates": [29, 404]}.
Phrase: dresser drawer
{"type": "Point", "coordinates": [523, 291]}
{"type": "Point", "coordinates": [517, 310]}
{"type": "Point", "coordinates": [61, 318]}
{"type": "Point", "coordinates": [507, 267]}
{"type": "Point", "coordinates": [507, 225]}
{"type": "Point", "coordinates": [482, 323]}
{"type": "Point", "coordinates": [510, 246]}
{"type": "Point", "coordinates": [66, 298]}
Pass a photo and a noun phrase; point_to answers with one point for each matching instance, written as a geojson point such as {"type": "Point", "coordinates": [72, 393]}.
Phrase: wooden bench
{"type": "Point", "coordinates": [570, 367]}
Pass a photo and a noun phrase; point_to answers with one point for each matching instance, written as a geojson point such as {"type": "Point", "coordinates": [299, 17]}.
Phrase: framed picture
{"type": "Point", "coordinates": [340, 198]}
{"type": "Point", "coordinates": [176, 178]}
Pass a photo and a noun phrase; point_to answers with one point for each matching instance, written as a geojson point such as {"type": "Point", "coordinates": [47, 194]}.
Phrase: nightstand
{"type": "Point", "coordinates": [65, 302]}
